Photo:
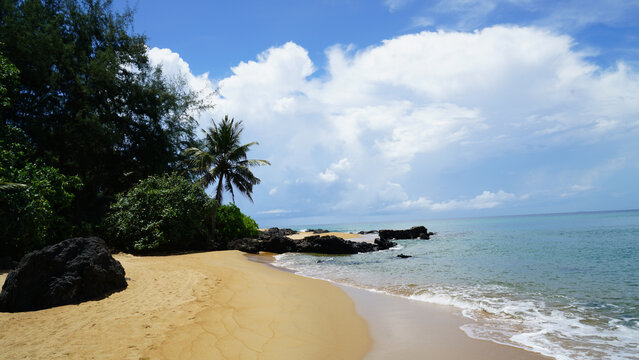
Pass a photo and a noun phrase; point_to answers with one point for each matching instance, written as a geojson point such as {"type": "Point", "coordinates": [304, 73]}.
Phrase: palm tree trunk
{"type": "Point", "coordinates": [218, 197]}
{"type": "Point", "coordinates": [213, 233]}
{"type": "Point", "coordinates": [218, 193]}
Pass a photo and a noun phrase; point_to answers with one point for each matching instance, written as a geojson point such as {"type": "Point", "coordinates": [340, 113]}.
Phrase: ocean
{"type": "Point", "coordinates": [563, 285]}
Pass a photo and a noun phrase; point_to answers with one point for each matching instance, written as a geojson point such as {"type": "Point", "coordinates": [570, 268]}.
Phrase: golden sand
{"type": "Point", "coordinates": [347, 236]}
{"type": "Point", "coordinates": [215, 305]}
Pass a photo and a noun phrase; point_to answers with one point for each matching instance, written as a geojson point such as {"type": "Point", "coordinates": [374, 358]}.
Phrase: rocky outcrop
{"type": "Point", "coordinates": [69, 272]}
{"type": "Point", "coordinates": [318, 231]}
{"type": "Point", "coordinates": [404, 256]}
{"type": "Point", "coordinates": [277, 232]}
{"type": "Point", "coordinates": [310, 244]}
{"type": "Point", "coordinates": [417, 232]}
{"type": "Point", "coordinates": [367, 232]}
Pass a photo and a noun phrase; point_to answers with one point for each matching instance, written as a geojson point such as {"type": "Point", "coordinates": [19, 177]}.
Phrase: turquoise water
{"type": "Point", "coordinates": [564, 285]}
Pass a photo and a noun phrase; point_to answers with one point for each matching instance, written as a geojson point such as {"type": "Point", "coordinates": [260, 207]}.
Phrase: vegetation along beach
{"type": "Point", "coordinates": [319, 180]}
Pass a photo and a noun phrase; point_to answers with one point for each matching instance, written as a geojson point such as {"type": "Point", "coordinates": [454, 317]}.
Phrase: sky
{"type": "Point", "coordinates": [388, 110]}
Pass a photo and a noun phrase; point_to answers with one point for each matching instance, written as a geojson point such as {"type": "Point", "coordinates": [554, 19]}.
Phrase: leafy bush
{"type": "Point", "coordinates": [34, 199]}
{"type": "Point", "coordinates": [160, 213]}
{"type": "Point", "coordinates": [232, 224]}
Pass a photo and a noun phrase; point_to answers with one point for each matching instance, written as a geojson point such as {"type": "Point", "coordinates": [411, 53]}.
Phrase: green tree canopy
{"type": "Point", "coordinates": [232, 224]}
{"type": "Point", "coordinates": [8, 80]}
{"type": "Point", "coordinates": [34, 199]}
{"type": "Point", "coordinates": [160, 213]}
{"type": "Point", "coordinates": [88, 98]}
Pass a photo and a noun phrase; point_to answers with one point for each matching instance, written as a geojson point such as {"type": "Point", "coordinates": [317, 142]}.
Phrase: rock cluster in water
{"type": "Point", "coordinates": [416, 232]}
{"type": "Point", "coordinates": [69, 272]}
{"type": "Point", "coordinates": [273, 241]}
{"type": "Point", "coordinates": [276, 240]}
{"type": "Point", "coordinates": [318, 231]}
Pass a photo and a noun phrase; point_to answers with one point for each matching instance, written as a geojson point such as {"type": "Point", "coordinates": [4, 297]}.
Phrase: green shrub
{"type": "Point", "coordinates": [34, 199]}
{"type": "Point", "coordinates": [160, 213]}
{"type": "Point", "coordinates": [231, 224]}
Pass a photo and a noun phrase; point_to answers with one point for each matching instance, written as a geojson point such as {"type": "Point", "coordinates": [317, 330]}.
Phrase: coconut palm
{"type": "Point", "coordinates": [8, 186]}
{"type": "Point", "coordinates": [222, 160]}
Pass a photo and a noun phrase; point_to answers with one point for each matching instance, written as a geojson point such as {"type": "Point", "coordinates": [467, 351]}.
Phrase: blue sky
{"type": "Point", "coordinates": [400, 109]}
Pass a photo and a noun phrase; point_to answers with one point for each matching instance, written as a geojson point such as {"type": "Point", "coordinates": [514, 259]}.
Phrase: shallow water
{"type": "Point", "coordinates": [564, 285]}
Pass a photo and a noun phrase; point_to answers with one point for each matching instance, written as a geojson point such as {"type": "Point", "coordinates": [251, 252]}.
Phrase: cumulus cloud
{"type": "Point", "coordinates": [390, 119]}
{"type": "Point", "coordinates": [173, 65]}
{"type": "Point", "coordinates": [175, 68]}
{"type": "Point", "coordinates": [330, 174]}
{"type": "Point", "coordinates": [276, 212]}
{"type": "Point", "coordinates": [485, 200]}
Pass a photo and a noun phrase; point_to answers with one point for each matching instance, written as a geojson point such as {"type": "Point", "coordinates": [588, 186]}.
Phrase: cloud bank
{"type": "Point", "coordinates": [409, 124]}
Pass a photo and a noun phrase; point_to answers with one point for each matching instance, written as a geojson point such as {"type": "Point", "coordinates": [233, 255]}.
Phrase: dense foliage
{"type": "Point", "coordinates": [88, 98]}
{"type": "Point", "coordinates": [33, 209]}
{"type": "Point", "coordinates": [232, 224]}
{"type": "Point", "coordinates": [8, 81]}
{"type": "Point", "coordinates": [160, 213]}
{"type": "Point", "coordinates": [84, 117]}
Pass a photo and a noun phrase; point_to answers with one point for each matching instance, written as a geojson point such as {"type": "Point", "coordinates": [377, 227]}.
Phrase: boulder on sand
{"type": "Point", "coordinates": [69, 272]}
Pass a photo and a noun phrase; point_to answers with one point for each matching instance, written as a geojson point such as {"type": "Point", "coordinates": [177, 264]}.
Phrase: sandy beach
{"type": "Point", "coordinates": [226, 305]}
{"type": "Point", "coordinates": [215, 305]}
{"type": "Point", "coordinates": [347, 236]}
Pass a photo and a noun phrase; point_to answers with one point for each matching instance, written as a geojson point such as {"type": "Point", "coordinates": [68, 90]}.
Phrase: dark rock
{"type": "Point", "coordinates": [332, 245]}
{"type": "Point", "coordinates": [417, 232]}
{"type": "Point", "coordinates": [276, 232]}
{"type": "Point", "coordinates": [310, 244]}
{"type": "Point", "coordinates": [402, 256]}
{"type": "Point", "coordinates": [318, 231]}
{"type": "Point", "coordinates": [367, 232]}
{"type": "Point", "coordinates": [383, 244]}
{"type": "Point", "coordinates": [6, 263]}
{"type": "Point", "coordinates": [69, 272]}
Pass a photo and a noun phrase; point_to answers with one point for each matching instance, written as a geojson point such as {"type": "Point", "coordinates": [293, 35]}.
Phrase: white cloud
{"type": "Point", "coordinates": [561, 15]}
{"type": "Point", "coordinates": [330, 175]}
{"type": "Point", "coordinates": [276, 212]}
{"type": "Point", "coordinates": [391, 117]}
{"type": "Point", "coordinates": [174, 66]}
{"type": "Point", "coordinates": [485, 200]}
{"type": "Point", "coordinates": [273, 191]}
{"type": "Point", "coordinates": [471, 13]}
{"type": "Point", "coordinates": [176, 69]}
{"type": "Point", "coordinates": [588, 179]}
{"type": "Point", "coordinates": [394, 5]}
{"type": "Point", "coordinates": [422, 21]}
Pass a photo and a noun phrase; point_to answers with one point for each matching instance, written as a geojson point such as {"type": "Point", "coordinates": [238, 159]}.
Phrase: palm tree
{"type": "Point", "coordinates": [8, 186]}
{"type": "Point", "coordinates": [222, 160]}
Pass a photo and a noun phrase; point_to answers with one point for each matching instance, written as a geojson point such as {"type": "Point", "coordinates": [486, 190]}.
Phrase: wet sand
{"type": "Point", "coordinates": [409, 329]}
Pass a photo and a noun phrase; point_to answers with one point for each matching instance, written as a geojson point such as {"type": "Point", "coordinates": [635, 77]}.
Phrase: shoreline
{"type": "Point", "coordinates": [226, 303]}
{"type": "Point", "coordinates": [404, 328]}
{"type": "Point", "coordinates": [196, 306]}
